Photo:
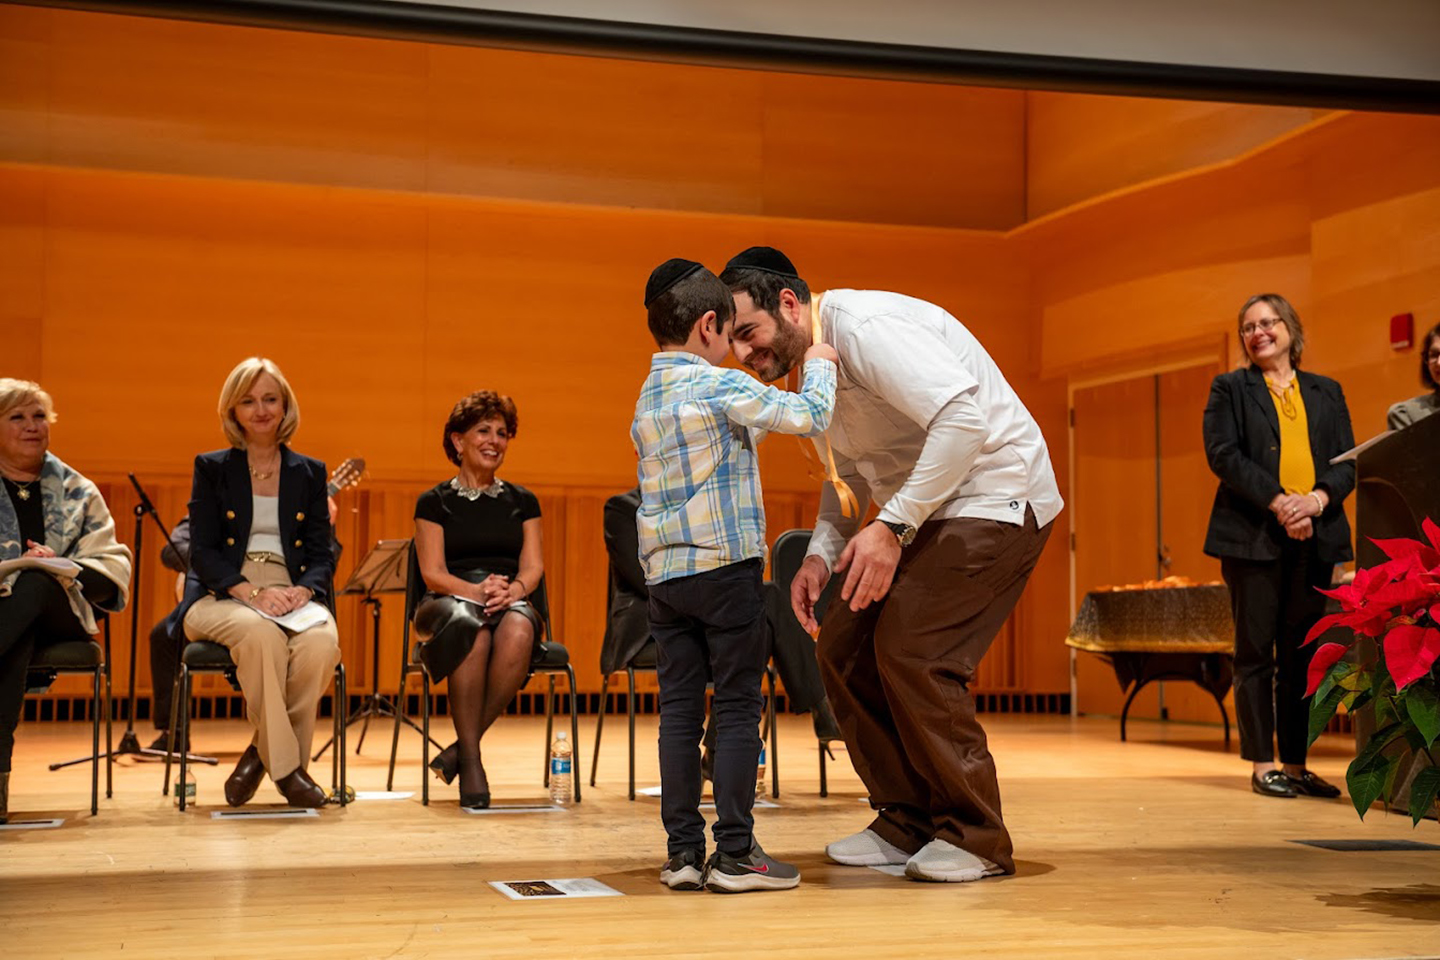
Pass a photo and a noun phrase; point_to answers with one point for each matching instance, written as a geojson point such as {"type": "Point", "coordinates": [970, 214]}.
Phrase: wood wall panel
{"type": "Point", "coordinates": [209, 100]}
{"type": "Point", "coordinates": [22, 273]}
{"type": "Point", "coordinates": [1079, 147]}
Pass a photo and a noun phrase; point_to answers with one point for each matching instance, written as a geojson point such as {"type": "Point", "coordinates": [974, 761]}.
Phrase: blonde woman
{"type": "Point", "coordinates": [47, 510]}
{"type": "Point", "coordinates": [260, 549]}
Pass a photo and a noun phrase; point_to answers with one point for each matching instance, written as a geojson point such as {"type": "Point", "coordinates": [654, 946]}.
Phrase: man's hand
{"type": "Point", "coordinates": [805, 589]}
{"type": "Point", "coordinates": [872, 556]}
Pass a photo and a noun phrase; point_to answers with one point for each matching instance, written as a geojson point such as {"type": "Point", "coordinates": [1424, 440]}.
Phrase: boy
{"type": "Point", "coordinates": [701, 527]}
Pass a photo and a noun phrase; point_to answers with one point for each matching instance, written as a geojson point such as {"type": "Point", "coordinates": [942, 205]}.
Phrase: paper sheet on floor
{"type": "Point", "coordinates": [570, 888]}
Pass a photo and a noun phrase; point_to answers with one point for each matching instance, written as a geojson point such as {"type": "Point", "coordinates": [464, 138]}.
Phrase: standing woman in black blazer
{"type": "Point", "coordinates": [260, 547]}
{"type": "Point", "coordinates": [1278, 528]}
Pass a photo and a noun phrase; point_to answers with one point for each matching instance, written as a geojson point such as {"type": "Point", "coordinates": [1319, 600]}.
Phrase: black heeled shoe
{"type": "Point", "coordinates": [480, 799]}
{"type": "Point", "coordinates": [447, 763]}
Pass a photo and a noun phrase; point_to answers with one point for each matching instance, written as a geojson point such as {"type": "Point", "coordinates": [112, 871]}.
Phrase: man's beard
{"type": "Point", "coordinates": [786, 351]}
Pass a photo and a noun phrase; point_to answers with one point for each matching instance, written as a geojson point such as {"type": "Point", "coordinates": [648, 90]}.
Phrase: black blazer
{"type": "Point", "coordinates": [220, 514]}
{"type": "Point", "coordinates": [1242, 444]}
{"type": "Point", "coordinates": [627, 621]}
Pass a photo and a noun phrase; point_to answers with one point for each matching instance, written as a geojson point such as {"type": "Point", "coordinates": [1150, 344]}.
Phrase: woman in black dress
{"type": "Point", "coordinates": [478, 543]}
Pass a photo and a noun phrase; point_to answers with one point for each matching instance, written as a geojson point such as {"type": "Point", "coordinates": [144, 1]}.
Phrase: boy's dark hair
{"type": "Point", "coordinates": [673, 314]}
{"type": "Point", "coordinates": [1425, 378]}
{"type": "Point", "coordinates": [764, 286]}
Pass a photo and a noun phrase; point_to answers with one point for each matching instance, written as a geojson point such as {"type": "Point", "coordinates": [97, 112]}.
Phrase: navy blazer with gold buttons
{"type": "Point", "coordinates": [1242, 444]}
{"type": "Point", "coordinates": [221, 510]}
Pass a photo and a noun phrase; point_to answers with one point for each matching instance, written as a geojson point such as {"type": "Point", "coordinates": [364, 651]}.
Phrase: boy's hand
{"type": "Point", "coordinates": [805, 589]}
{"type": "Point", "coordinates": [822, 351]}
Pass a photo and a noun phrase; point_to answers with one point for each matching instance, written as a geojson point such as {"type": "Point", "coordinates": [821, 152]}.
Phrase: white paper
{"type": "Point", "coordinates": [570, 888]}
{"type": "Point", "coordinates": [517, 808]}
{"type": "Point", "coordinates": [303, 618]}
{"type": "Point", "coordinates": [1358, 449]}
{"type": "Point", "coordinates": [55, 566]}
{"type": "Point", "coordinates": [31, 824]}
{"type": "Point", "coordinates": [384, 794]}
{"type": "Point", "coordinates": [282, 814]}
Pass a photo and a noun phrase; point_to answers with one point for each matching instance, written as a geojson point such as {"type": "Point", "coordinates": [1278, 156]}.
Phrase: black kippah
{"type": "Point", "coordinates": [767, 259]}
{"type": "Point", "coordinates": [665, 276]}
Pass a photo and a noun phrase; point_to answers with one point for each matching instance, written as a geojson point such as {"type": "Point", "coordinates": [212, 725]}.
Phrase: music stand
{"type": "Point", "coordinates": [383, 570]}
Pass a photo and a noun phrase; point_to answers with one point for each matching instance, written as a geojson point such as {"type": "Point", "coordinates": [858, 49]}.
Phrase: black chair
{"type": "Point", "coordinates": [785, 560]}
{"type": "Point", "coordinates": [551, 658]}
{"type": "Point", "coordinates": [205, 656]}
{"type": "Point", "coordinates": [645, 660]}
{"type": "Point", "coordinates": [81, 656]}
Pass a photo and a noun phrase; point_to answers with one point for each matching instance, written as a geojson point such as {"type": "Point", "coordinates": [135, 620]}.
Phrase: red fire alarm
{"type": "Point", "coordinates": [1402, 331]}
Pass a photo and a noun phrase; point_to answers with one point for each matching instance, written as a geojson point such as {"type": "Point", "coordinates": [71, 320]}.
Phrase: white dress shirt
{"type": "Point", "coordinates": [925, 423]}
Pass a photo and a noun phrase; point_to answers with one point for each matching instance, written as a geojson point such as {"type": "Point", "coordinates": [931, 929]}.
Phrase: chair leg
{"type": "Point", "coordinates": [425, 738]}
{"type": "Point", "coordinates": [184, 731]}
{"type": "Point", "coordinates": [599, 727]}
{"type": "Point", "coordinates": [550, 728]}
{"type": "Point", "coordinates": [109, 738]}
{"type": "Point", "coordinates": [95, 707]}
{"type": "Point", "coordinates": [342, 686]}
{"type": "Point", "coordinates": [574, 733]}
{"type": "Point", "coordinates": [630, 710]}
{"type": "Point", "coordinates": [395, 737]}
{"type": "Point", "coordinates": [774, 742]}
{"type": "Point", "coordinates": [824, 787]}
{"type": "Point", "coordinates": [174, 732]}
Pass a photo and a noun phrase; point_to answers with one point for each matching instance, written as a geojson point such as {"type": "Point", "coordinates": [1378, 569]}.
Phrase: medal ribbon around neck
{"type": "Point", "coordinates": [826, 470]}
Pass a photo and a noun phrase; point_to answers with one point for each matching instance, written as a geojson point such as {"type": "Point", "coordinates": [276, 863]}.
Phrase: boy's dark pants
{"type": "Point", "coordinates": [709, 626]}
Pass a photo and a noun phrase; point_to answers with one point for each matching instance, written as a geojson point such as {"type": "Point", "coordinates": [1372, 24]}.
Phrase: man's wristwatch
{"type": "Point", "coordinates": [903, 532]}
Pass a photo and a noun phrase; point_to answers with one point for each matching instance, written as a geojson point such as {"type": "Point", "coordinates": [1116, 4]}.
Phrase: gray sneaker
{"type": "Point", "coordinates": [754, 871]}
{"type": "Point", "coordinates": [684, 870]}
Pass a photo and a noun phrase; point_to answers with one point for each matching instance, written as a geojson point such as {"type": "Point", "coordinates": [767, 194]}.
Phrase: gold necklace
{"type": "Point", "coordinates": [22, 490]}
{"type": "Point", "coordinates": [258, 475]}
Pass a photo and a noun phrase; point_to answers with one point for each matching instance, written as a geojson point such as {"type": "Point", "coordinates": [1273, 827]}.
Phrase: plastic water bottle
{"type": "Point", "coordinates": [561, 785]}
{"type": "Point", "coordinates": [186, 786]}
{"type": "Point", "coordinates": [760, 771]}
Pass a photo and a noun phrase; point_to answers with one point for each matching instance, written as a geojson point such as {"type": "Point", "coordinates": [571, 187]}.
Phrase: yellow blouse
{"type": "Point", "coordinates": [1297, 464]}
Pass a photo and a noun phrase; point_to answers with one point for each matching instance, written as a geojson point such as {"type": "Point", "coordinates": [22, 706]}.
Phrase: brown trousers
{"type": "Point", "coordinates": [282, 675]}
{"type": "Point", "coordinates": [898, 674]}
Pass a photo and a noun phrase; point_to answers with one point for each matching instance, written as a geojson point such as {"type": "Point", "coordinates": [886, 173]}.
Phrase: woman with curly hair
{"type": "Point", "coordinates": [478, 544]}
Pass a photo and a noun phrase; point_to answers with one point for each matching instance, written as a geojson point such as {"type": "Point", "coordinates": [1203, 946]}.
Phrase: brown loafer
{"type": "Point", "coordinates": [241, 785]}
{"type": "Point", "coordinates": [300, 790]}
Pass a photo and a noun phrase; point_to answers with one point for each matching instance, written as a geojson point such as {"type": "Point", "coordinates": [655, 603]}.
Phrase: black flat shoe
{"type": "Point", "coordinates": [447, 763]}
{"type": "Point", "coordinates": [1272, 783]}
{"type": "Point", "coordinates": [1309, 785]}
{"type": "Point", "coordinates": [472, 772]}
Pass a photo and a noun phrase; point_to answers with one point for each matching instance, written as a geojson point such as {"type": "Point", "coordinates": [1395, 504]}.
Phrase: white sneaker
{"type": "Point", "coordinates": [866, 849]}
{"type": "Point", "coordinates": [942, 862]}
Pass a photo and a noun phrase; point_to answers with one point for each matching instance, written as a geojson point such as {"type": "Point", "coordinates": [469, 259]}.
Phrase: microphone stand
{"type": "Point", "coordinates": [129, 742]}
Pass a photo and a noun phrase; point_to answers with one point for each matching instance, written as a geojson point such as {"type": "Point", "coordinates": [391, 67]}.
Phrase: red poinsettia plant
{"type": "Point", "coordinates": [1396, 606]}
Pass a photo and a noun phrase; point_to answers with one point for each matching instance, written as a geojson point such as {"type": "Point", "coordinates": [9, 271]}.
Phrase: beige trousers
{"type": "Point", "coordinates": [282, 674]}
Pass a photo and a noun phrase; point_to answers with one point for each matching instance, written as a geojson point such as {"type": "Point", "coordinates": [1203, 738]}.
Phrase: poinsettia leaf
{"type": "Point", "coordinates": [1393, 765]}
{"type": "Point", "coordinates": [1379, 740]}
{"type": "Point", "coordinates": [1322, 709]}
{"type": "Point", "coordinates": [1355, 678]}
{"type": "Point", "coordinates": [1366, 781]}
{"type": "Point", "coordinates": [1358, 700]}
{"type": "Point", "coordinates": [1410, 652]}
{"type": "Point", "coordinates": [1423, 790]}
{"type": "Point", "coordinates": [1385, 711]}
{"type": "Point", "coordinates": [1326, 657]}
{"type": "Point", "coordinates": [1432, 532]}
{"type": "Point", "coordinates": [1398, 547]}
{"type": "Point", "coordinates": [1423, 706]}
{"type": "Point", "coordinates": [1405, 594]}
{"type": "Point", "coordinates": [1321, 625]}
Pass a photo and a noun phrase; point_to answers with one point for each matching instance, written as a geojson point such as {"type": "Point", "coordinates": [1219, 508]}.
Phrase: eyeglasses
{"type": "Point", "coordinates": [1265, 326]}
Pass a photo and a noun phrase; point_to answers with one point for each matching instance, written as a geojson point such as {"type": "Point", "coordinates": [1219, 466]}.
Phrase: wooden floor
{"type": "Point", "coordinates": [1154, 848]}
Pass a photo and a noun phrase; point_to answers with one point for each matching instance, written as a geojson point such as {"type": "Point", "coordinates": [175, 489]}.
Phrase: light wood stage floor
{"type": "Point", "coordinates": [1155, 848]}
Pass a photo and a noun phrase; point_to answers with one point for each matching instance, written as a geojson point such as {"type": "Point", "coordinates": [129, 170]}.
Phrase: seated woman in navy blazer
{"type": "Point", "coordinates": [260, 549]}
{"type": "Point", "coordinates": [1278, 526]}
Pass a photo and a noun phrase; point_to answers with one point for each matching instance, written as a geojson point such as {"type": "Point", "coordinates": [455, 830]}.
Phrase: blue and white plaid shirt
{"type": "Point", "coordinates": [696, 427]}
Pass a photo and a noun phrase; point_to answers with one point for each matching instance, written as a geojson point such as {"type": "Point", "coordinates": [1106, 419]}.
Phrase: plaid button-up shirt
{"type": "Point", "coordinates": [696, 427]}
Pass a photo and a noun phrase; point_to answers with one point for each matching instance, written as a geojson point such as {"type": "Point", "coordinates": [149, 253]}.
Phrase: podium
{"type": "Point", "coordinates": [1397, 485]}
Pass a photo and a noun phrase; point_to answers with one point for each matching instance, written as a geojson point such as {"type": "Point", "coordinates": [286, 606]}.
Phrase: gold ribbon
{"type": "Point", "coordinates": [826, 470]}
